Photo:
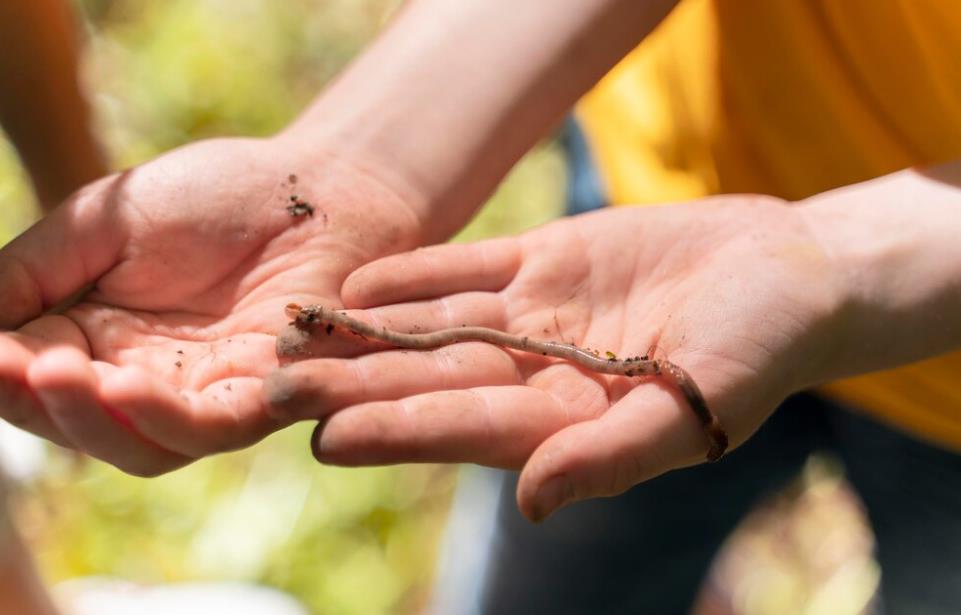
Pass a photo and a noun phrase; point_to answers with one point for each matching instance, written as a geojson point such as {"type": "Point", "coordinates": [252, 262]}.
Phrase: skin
{"type": "Point", "coordinates": [622, 281]}
{"type": "Point", "coordinates": [42, 109]}
{"type": "Point", "coordinates": [757, 298]}
{"type": "Point", "coordinates": [21, 590]}
{"type": "Point", "coordinates": [162, 361]}
{"type": "Point", "coordinates": [46, 117]}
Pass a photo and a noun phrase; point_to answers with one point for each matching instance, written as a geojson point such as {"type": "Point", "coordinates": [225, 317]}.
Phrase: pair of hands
{"type": "Point", "coordinates": [172, 355]}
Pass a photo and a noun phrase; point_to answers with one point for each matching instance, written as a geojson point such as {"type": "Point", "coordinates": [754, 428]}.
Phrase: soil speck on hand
{"type": "Point", "coordinates": [299, 208]}
{"type": "Point", "coordinates": [293, 341]}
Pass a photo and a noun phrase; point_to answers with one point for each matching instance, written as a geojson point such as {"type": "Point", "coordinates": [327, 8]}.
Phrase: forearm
{"type": "Point", "coordinates": [42, 108]}
{"type": "Point", "coordinates": [895, 248]}
{"type": "Point", "coordinates": [454, 93]}
{"type": "Point", "coordinates": [21, 590]}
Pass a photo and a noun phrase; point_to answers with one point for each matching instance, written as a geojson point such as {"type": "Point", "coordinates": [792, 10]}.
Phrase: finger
{"type": "Point", "coordinates": [66, 383]}
{"type": "Point", "coordinates": [476, 308]}
{"type": "Point", "coordinates": [226, 415]}
{"type": "Point", "coordinates": [646, 433]}
{"type": "Point", "coordinates": [494, 426]}
{"type": "Point", "coordinates": [433, 272]}
{"type": "Point", "coordinates": [19, 405]}
{"type": "Point", "coordinates": [318, 387]}
{"type": "Point", "coordinates": [58, 255]}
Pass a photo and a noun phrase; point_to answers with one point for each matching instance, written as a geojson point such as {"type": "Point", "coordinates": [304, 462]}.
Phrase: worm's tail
{"type": "Point", "coordinates": [695, 399]}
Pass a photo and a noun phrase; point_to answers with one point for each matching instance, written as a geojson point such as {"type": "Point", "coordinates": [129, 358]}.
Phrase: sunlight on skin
{"type": "Point", "coordinates": [193, 262]}
{"type": "Point", "coordinates": [603, 281]}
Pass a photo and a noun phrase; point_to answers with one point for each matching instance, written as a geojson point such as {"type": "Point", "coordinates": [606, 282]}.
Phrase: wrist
{"type": "Point", "coordinates": [891, 244]}
{"type": "Point", "coordinates": [343, 142]}
{"type": "Point", "coordinates": [363, 127]}
{"type": "Point", "coordinates": [451, 95]}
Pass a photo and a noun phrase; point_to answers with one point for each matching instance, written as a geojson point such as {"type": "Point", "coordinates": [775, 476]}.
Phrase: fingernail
{"type": "Point", "coordinates": [555, 493]}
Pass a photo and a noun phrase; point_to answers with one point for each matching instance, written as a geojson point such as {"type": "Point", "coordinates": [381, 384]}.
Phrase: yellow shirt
{"type": "Point", "coordinates": [791, 98]}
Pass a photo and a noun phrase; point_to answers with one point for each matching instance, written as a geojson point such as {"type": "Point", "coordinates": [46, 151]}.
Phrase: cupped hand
{"type": "Point", "coordinates": [183, 265]}
{"type": "Point", "coordinates": [736, 290]}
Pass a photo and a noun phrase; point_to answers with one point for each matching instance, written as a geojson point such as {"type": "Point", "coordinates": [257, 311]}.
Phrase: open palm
{"type": "Point", "coordinates": [191, 259]}
{"type": "Point", "coordinates": [733, 289]}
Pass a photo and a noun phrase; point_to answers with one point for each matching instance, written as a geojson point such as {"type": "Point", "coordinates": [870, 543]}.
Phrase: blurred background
{"type": "Point", "coordinates": [165, 72]}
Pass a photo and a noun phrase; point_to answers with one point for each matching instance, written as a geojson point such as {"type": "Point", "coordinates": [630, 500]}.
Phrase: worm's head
{"type": "Point", "coordinates": [293, 342]}
{"type": "Point", "coordinates": [304, 316]}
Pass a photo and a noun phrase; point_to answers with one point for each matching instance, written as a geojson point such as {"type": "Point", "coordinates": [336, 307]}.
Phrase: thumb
{"type": "Point", "coordinates": [62, 254]}
{"type": "Point", "coordinates": [647, 433]}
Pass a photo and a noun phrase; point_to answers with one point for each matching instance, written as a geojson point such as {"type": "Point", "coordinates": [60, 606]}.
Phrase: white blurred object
{"type": "Point", "coordinates": [106, 596]}
{"type": "Point", "coordinates": [468, 540]}
{"type": "Point", "coordinates": [22, 455]}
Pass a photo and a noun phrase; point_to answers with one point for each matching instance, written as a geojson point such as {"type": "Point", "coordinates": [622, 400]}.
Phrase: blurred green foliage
{"type": "Point", "coordinates": [162, 73]}
{"type": "Point", "coordinates": [343, 541]}
{"type": "Point", "coordinates": [17, 208]}
{"type": "Point", "coordinates": [168, 72]}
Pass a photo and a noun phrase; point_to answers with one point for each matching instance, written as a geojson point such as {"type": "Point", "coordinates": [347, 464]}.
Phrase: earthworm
{"type": "Point", "coordinates": [314, 315]}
